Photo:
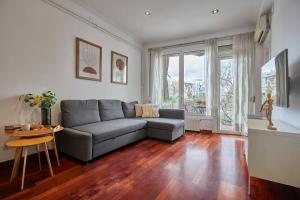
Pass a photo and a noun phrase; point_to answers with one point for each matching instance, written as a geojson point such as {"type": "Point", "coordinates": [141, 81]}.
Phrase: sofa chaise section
{"type": "Point", "coordinates": [168, 127]}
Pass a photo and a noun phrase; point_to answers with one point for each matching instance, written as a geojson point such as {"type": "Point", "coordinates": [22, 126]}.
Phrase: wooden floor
{"type": "Point", "coordinates": [197, 166]}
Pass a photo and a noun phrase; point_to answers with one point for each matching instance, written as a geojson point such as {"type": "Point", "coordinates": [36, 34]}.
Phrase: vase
{"type": "Point", "coordinates": [46, 116]}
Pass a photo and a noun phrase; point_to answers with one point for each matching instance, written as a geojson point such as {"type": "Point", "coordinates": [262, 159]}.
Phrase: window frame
{"type": "Point", "coordinates": [181, 51]}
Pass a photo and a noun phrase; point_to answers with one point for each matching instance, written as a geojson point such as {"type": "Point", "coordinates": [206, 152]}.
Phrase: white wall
{"type": "Point", "coordinates": [286, 34]}
{"type": "Point", "coordinates": [37, 54]}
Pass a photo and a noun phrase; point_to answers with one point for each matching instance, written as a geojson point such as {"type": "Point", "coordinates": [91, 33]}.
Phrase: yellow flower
{"type": "Point", "coordinates": [37, 100]}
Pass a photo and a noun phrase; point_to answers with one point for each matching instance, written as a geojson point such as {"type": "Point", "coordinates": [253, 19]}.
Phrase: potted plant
{"type": "Point", "coordinates": [44, 101]}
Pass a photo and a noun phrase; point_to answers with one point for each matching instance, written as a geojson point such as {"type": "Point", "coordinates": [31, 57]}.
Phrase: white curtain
{"type": "Point", "coordinates": [211, 77]}
{"type": "Point", "coordinates": [165, 68]}
{"type": "Point", "coordinates": [156, 92]}
{"type": "Point", "coordinates": [243, 61]}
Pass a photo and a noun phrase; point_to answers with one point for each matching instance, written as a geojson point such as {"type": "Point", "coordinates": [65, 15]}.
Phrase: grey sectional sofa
{"type": "Point", "coordinates": [96, 127]}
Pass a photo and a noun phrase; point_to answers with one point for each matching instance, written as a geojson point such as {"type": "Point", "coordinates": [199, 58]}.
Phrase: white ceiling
{"type": "Point", "coordinates": [172, 19]}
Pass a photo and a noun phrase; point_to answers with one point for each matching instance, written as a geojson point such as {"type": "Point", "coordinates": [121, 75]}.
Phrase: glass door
{"type": "Point", "coordinates": [226, 101]}
{"type": "Point", "coordinates": [194, 83]}
{"type": "Point", "coordinates": [183, 79]}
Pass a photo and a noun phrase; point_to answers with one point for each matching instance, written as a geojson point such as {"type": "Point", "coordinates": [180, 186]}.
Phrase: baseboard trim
{"type": "Point", "coordinates": [201, 131]}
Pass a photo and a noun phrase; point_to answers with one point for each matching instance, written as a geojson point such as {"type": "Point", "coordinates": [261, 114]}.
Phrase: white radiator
{"type": "Point", "coordinates": [196, 122]}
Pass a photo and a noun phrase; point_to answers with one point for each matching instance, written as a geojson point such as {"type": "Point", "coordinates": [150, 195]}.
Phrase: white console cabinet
{"type": "Point", "coordinates": [274, 155]}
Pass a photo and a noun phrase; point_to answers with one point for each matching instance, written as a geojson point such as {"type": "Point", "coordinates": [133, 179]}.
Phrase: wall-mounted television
{"type": "Point", "coordinates": [274, 79]}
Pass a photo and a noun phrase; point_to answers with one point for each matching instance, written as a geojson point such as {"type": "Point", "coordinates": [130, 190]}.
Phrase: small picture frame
{"type": "Point", "coordinates": [88, 60]}
{"type": "Point", "coordinates": [119, 68]}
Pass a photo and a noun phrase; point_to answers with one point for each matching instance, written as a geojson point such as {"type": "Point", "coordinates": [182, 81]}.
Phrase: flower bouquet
{"type": "Point", "coordinates": [44, 101]}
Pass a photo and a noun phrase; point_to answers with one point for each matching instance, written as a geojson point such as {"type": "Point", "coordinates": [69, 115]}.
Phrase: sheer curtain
{"type": "Point", "coordinates": [211, 78]}
{"type": "Point", "coordinates": [165, 68]}
{"type": "Point", "coordinates": [156, 74]}
{"type": "Point", "coordinates": [243, 61]}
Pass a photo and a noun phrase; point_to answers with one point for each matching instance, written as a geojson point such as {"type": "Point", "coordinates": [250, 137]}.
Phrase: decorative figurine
{"type": "Point", "coordinates": [268, 107]}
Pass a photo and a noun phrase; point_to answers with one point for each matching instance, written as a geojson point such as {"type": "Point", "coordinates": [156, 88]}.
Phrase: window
{"type": "Point", "coordinates": [184, 83]}
{"type": "Point", "coordinates": [194, 83]}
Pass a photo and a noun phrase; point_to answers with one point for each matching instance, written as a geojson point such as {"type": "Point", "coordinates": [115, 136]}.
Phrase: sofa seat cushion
{"type": "Point", "coordinates": [164, 123]}
{"type": "Point", "coordinates": [105, 130]}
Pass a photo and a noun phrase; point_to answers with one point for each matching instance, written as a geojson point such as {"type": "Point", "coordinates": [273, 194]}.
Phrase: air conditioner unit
{"type": "Point", "coordinates": [261, 30]}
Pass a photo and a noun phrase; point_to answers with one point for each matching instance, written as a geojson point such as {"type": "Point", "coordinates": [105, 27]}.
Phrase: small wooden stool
{"type": "Point", "coordinates": [21, 146]}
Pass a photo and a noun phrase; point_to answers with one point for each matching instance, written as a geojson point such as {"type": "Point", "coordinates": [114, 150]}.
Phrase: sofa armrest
{"type": "Point", "coordinates": [171, 113]}
{"type": "Point", "coordinates": [76, 143]}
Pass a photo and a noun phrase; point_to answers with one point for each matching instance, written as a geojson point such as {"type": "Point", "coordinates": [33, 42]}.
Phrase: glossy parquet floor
{"type": "Point", "coordinates": [197, 166]}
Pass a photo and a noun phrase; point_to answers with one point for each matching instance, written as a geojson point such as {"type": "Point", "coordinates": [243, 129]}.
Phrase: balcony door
{"type": "Point", "coordinates": [184, 83]}
{"type": "Point", "coordinates": [226, 101]}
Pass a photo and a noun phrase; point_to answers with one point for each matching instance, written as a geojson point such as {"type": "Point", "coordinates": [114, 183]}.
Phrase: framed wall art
{"type": "Point", "coordinates": [88, 60]}
{"type": "Point", "coordinates": [119, 68]}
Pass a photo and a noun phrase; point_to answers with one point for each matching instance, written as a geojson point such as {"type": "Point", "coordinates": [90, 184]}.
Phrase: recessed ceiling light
{"type": "Point", "coordinates": [147, 13]}
{"type": "Point", "coordinates": [215, 11]}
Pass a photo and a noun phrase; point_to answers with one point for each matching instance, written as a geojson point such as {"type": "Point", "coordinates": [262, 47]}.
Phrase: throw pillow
{"type": "Point", "coordinates": [150, 110]}
{"type": "Point", "coordinates": [138, 110]}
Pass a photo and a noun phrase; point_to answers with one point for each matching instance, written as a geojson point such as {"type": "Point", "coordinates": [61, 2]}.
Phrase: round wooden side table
{"type": "Point", "coordinates": [21, 146]}
{"type": "Point", "coordinates": [38, 133]}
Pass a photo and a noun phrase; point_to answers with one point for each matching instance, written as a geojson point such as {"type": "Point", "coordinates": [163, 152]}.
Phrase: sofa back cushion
{"type": "Point", "coordinates": [79, 112]}
{"type": "Point", "coordinates": [110, 109]}
{"type": "Point", "coordinates": [128, 109]}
